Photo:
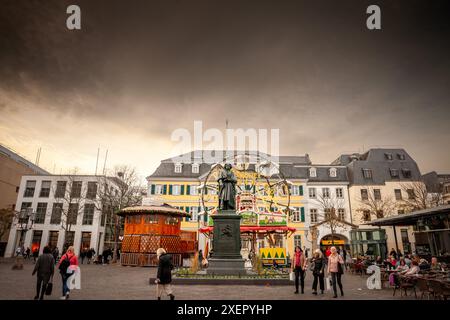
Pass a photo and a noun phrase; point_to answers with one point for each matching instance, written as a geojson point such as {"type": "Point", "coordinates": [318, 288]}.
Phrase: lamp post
{"type": "Point", "coordinates": [25, 221]}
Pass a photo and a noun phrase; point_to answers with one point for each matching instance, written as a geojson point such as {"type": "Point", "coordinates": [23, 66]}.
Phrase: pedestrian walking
{"type": "Point", "coordinates": [68, 259]}
{"type": "Point", "coordinates": [44, 267]}
{"type": "Point", "coordinates": [318, 267]}
{"type": "Point", "coordinates": [298, 266]}
{"type": "Point", "coordinates": [27, 253]}
{"type": "Point", "coordinates": [164, 275]}
{"type": "Point", "coordinates": [335, 268]}
{"type": "Point", "coordinates": [35, 254]}
{"type": "Point", "coordinates": [55, 254]}
{"type": "Point", "coordinates": [89, 254]}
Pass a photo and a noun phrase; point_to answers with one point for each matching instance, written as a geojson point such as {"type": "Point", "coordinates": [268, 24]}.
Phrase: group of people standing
{"type": "Point", "coordinates": [334, 264]}
{"type": "Point", "coordinates": [45, 268]}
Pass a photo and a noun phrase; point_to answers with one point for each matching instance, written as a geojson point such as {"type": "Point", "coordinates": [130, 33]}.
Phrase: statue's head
{"type": "Point", "coordinates": [227, 166]}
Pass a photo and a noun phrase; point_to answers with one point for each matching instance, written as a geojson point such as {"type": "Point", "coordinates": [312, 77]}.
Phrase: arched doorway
{"type": "Point", "coordinates": [337, 240]}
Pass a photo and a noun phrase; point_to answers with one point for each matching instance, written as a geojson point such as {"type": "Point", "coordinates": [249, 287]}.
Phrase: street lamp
{"type": "Point", "coordinates": [25, 221]}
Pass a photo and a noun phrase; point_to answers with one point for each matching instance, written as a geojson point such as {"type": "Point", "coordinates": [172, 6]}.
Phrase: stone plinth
{"type": "Point", "coordinates": [226, 256]}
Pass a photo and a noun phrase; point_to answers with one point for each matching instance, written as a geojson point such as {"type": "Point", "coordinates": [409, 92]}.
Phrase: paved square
{"type": "Point", "coordinates": [115, 282]}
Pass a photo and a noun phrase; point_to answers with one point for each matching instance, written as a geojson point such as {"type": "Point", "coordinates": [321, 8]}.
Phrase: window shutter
{"type": "Point", "coordinates": [188, 190]}
{"type": "Point", "coordinates": [153, 189]}
{"type": "Point", "coordinates": [187, 209]}
{"type": "Point", "coordinates": [182, 189]}
{"type": "Point", "coordinates": [301, 190]}
{"type": "Point", "coordinates": [165, 189]}
{"type": "Point", "coordinates": [302, 213]}
{"type": "Point", "coordinates": [170, 189]}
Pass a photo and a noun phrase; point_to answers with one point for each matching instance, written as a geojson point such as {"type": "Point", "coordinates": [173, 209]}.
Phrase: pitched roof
{"type": "Point", "coordinates": [19, 159]}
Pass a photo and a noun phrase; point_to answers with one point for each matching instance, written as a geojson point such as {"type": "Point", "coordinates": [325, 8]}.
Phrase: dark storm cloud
{"type": "Point", "coordinates": [311, 69]}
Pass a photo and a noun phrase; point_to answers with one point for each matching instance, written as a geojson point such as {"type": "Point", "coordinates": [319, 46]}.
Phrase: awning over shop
{"type": "Point", "coordinates": [410, 218]}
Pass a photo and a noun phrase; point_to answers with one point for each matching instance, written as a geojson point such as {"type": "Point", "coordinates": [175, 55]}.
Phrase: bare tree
{"type": "Point", "coordinates": [6, 217]}
{"type": "Point", "coordinates": [70, 195]}
{"type": "Point", "coordinates": [120, 189]}
{"type": "Point", "coordinates": [418, 197]}
{"type": "Point", "coordinates": [329, 206]}
{"type": "Point", "coordinates": [375, 206]}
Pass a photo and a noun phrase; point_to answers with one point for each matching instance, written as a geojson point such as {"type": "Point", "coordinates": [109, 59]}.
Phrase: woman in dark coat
{"type": "Point", "coordinates": [44, 267]}
{"type": "Point", "coordinates": [164, 276]}
{"type": "Point", "coordinates": [318, 267]}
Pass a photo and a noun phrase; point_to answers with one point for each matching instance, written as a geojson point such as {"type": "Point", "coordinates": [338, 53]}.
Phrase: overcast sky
{"type": "Point", "coordinates": [138, 70]}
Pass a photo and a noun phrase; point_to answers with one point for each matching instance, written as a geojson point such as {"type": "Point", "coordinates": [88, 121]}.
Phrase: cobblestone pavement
{"type": "Point", "coordinates": [111, 282]}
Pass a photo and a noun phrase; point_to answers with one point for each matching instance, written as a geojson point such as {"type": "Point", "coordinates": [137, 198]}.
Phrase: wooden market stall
{"type": "Point", "coordinates": [150, 227]}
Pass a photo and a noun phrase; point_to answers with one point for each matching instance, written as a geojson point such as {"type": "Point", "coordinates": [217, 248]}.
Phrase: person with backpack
{"type": "Point", "coordinates": [44, 267]}
{"type": "Point", "coordinates": [68, 259]}
{"type": "Point", "coordinates": [164, 275]}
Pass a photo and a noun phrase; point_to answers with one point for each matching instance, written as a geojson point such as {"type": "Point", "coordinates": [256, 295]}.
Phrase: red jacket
{"type": "Point", "coordinates": [73, 259]}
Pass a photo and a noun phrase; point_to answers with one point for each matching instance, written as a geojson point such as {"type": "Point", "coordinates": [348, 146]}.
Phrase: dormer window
{"type": "Point", "coordinates": [394, 173]}
{"type": "Point", "coordinates": [401, 156]}
{"type": "Point", "coordinates": [332, 172]}
{"type": "Point", "coordinates": [367, 173]}
{"type": "Point", "coordinates": [195, 168]}
{"type": "Point", "coordinates": [312, 172]}
{"type": "Point", "coordinates": [178, 167]}
{"type": "Point", "coordinates": [388, 156]}
{"type": "Point", "coordinates": [406, 173]}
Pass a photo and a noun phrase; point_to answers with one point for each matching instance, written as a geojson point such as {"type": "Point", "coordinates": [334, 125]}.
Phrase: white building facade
{"type": "Point", "coordinates": [327, 189]}
{"type": "Point", "coordinates": [66, 210]}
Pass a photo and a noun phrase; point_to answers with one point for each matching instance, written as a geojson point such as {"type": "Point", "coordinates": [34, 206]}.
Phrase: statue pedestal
{"type": "Point", "coordinates": [226, 256]}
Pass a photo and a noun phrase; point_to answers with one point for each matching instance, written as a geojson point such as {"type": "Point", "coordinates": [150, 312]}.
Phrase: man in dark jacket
{"type": "Point", "coordinates": [45, 267]}
{"type": "Point", "coordinates": [164, 276]}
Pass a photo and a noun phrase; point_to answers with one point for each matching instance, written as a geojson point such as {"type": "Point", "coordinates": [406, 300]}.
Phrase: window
{"type": "Point", "coordinates": [326, 192]}
{"type": "Point", "coordinates": [192, 190]}
{"type": "Point", "coordinates": [88, 215]}
{"type": "Point", "coordinates": [367, 173]}
{"type": "Point", "coordinates": [377, 194]}
{"type": "Point", "coordinates": [53, 239]}
{"type": "Point", "coordinates": [134, 219]}
{"type": "Point", "coordinates": [194, 213]}
{"type": "Point", "coordinates": [76, 189]}
{"type": "Point", "coordinates": [195, 168]}
{"type": "Point", "coordinates": [176, 189]}
{"type": "Point", "coordinates": [366, 215]}
{"type": "Point", "coordinates": [398, 194]}
{"type": "Point", "coordinates": [297, 241]}
{"type": "Point", "coordinates": [56, 213]}
{"type": "Point", "coordinates": [411, 194]}
{"type": "Point", "coordinates": [339, 193]}
{"type": "Point", "coordinates": [364, 194]}
{"type": "Point", "coordinates": [404, 234]}
{"type": "Point", "coordinates": [406, 173]}
{"type": "Point", "coordinates": [394, 173]}
{"type": "Point", "coordinates": [294, 190]}
{"type": "Point", "coordinates": [159, 188]}
{"type": "Point", "coordinates": [171, 221]}
{"type": "Point", "coordinates": [296, 214]}
{"type": "Point", "coordinates": [26, 206]}
{"type": "Point", "coordinates": [327, 213]}
{"type": "Point", "coordinates": [341, 214]}
{"type": "Point", "coordinates": [45, 189]}
{"type": "Point", "coordinates": [40, 213]}
{"type": "Point", "coordinates": [91, 190]}
{"type": "Point", "coordinates": [447, 189]}
{"type": "Point", "coordinates": [312, 172]}
{"type": "Point", "coordinates": [70, 236]}
{"type": "Point", "coordinates": [333, 172]}
{"type": "Point", "coordinates": [72, 214]}
{"type": "Point", "coordinates": [178, 168]}
{"type": "Point", "coordinates": [312, 192]}
{"type": "Point", "coordinates": [37, 237]}
{"type": "Point", "coordinates": [29, 189]}
{"type": "Point", "coordinates": [60, 189]}
{"type": "Point", "coordinates": [150, 219]}
{"type": "Point", "coordinates": [313, 214]}
{"type": "Point", "coordinates": [380, 214]}
{"type": "Point", "coordinates": [388, 156]}
{"type": "Point", "coordinates": [400, 156]}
